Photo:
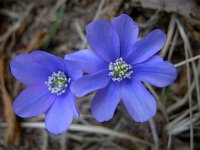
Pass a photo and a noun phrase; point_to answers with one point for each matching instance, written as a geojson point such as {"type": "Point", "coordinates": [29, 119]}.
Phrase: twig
{"type": "Point", "coordinates": [186, 45]}
{"type": "Point", "coordinates": [170, 34]}
{"type": "Point", "coordinates": [151, 21]}
{"type": "Point", "coordinates": [81, 34]}
{"type": "Point", "coordinates": [187, 61]}
{"type": "Point", "coordinates": [180, 117]}
{"type": "Point", "coordinates": [194, 68]}
{"type": "Point", "coordinates": [54, 9]}
{"type": "Point", "coordinates": [171, 50]}
{"type": "Point", "coordinates": [88, 129]}
{"type": "Point", "coordinates": [99, 9]}
{"type": "Point", "coordinates": [180, 103]}
{"type": "Point", "coordinates": [154, 134]}
{"type": "Point", "coordinates": [184, 124]}
{"type": "Point", "coordinates": [45, 140]}
{"type": "Point", "coordinates": [63, 141]}
{"type": "Point", "coordinates": [9, 13]}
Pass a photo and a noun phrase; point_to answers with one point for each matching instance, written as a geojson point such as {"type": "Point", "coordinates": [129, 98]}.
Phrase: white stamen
{"type": "Point", "coordinates": [57, 83]}
{"type": "Point", "coordinates": [120, 70]}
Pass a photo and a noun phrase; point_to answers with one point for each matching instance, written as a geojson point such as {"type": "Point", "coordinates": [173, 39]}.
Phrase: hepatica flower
{"type": "Point", "coordinates": [118, 66]}
{"type": "Point", "coordinates": [48, 79]}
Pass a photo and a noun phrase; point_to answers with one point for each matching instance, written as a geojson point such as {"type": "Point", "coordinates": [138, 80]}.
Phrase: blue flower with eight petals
{"type": "Point", "coordinates": [117, 67]}
{"type": "Point", "coordinates": [48, 79]}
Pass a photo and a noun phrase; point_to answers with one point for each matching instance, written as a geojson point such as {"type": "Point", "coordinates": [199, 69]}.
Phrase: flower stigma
{"type": "Point", "coordinates": [120, 70]}
{"type": "Point", "coordinates": [57, 83]}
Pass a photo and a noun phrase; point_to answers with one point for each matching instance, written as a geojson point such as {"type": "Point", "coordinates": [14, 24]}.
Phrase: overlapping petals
{"type": "Point", "coordinates": [89, 61]}
{"type": "Point", "coordinates": [49, 61]}
{"type": "Point", "coordinates": [91, 82]}
{"type": "Point", "coordinates": [73, 70]}
{"type": "Point", "coordinates": [35, 70]}
{"type": "Point", "coordinates": [117, 67]}
{"type": "Point", "coordinates": [104, 39]}
{"type": "Point", "coordinates": [73, 104]}
{"type": "Point", "coordinates": [128, 32]}
{"type": "Point", "coordinates": [134, 61]}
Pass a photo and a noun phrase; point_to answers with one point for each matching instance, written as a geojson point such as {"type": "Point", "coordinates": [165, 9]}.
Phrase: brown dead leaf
{"type": "Point", "coordinates": [12, 133]}
{"type": "Point", "coordinates": [187, 8]}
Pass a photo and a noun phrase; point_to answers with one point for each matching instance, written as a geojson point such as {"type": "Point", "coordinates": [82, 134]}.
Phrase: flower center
{"type": "Point", "coordinates": [120, 70]}
{"type": "Point", "coordinates": [57, 83]}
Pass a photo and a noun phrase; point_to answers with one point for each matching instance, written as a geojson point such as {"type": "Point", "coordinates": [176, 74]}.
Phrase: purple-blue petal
{"type": "Point", "coordinates": [146, 47]}
{"type": "Point", "coordinates": [104, 39]}
{"type": "Point", "coordinates": [89, 61]}
{"type": "Point", "coordinates": [60, 115]}
{"type": "Point", "coordinates": [128, 32]}
{"type": "Point", "coordinates": [105, 102]}
{"type": "Point", "coordinates": [155, 58]}
{"type": "Point", "coordinates": [90, 82]}
{"type": "Point", "coordinates": [73, 69]}
{"type": "Point", "coordinates": [33, 101]}
{"type": "Point", "coordinates": [157, 73]}
{"type": "Point", "coordinates": [26, 70]}
{"type": "Point", "coordinates": [72, 102]}
{"type": "Point", "coordinates": [49, 61]}
{"type": "Point", "coordinates": [139, 103]}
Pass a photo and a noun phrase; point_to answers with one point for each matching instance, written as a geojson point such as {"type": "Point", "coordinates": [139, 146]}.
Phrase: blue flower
{"type": "Point", "coordinates": [117, 67]}
{"type": "Point", "coordinates": [48, 79]}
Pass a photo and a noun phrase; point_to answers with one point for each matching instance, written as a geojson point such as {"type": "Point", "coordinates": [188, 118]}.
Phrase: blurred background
{"type": "Point", "coordinates": [58, 27]}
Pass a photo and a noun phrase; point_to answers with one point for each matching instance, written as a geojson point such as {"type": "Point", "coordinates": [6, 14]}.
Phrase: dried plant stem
{"type": "Point", "coordinates": [45, 140]}
{"type": "Point", "coordinates": [184, 124]}
{"type": "Point", "coordinates": [171, 50]}
{"type": "Point", "coordinates": [81, 34]}
{"type": "Point", "coordinates": [178, 119]}
{"type": "Point", "coordinates": [194, 67]}
{"type": "Point", "coordinates": [180, 64]}
{"type": "Point", "coordinates": [99, 9]}
{"type": "Point", "coordinates": [186, 45]}
{"type": "Point", "coordinates": [170, 34]}
{"type": "Point", "coordinates": [180, 103]}
{"type": "Point", "coordinates": [154, 134]}
{"type": "Point", "coordinates": [88, 129]}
